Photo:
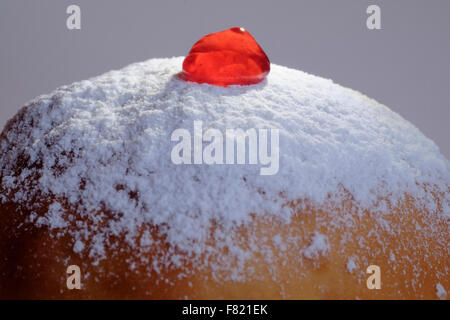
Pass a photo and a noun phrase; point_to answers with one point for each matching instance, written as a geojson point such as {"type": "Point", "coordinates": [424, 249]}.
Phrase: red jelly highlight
{"type": "Point", "coordinates": [229, 57]}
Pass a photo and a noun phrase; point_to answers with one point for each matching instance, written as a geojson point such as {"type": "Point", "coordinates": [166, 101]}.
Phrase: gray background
{"type": "Point", "coordinates": [404, 66]}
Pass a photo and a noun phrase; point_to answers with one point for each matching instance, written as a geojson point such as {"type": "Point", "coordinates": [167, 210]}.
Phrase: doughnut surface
{"type": "Point", "coordinates": [86, 178]}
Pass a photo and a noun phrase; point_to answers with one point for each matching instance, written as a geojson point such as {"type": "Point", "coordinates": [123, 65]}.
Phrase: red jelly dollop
{"type": "Point", "coordinates": [229, 57]}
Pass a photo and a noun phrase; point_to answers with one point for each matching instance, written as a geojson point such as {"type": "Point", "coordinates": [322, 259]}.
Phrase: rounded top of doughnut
{"type": "Point", "coordinates": [105, 144]}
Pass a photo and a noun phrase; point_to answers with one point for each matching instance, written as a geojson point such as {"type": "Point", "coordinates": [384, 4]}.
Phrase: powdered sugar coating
{"type": "Point", "coordinates": [104, 145]}
{"type": "Point", "coordinates": [441, 292]}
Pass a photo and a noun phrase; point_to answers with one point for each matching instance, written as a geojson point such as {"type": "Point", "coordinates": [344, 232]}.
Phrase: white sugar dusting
{"type": "Point", "coordinates": [53, 218]}
{"type": "Point", "coordinates": [319, 246]}
{"type": "Point", "coordinates": [351, 264]}
{"type": "Point", "coordinates": [103, 145]}
{"type": "Point", "coordinates": [78, 247]}
{"type": "Point", "coordinates": [441, 292]}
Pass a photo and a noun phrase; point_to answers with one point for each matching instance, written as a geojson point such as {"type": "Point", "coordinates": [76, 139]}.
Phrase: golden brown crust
{"type": "Point", "coordinates": [34, 262]}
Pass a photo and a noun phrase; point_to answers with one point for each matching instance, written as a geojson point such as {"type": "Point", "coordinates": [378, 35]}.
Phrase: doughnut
{"type": "Point", "coordinates": [88, 178]}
